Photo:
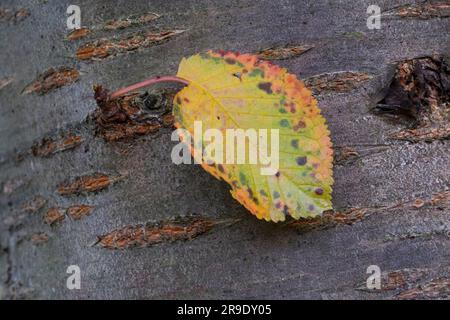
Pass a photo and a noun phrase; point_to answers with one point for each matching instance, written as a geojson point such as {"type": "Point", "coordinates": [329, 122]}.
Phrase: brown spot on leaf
{"type": "Point", "coordinates": [52, 79]}
{"type": "Point", "coordinates": [104, 48]}
{"type": "Point", "coordinates": [423, 134]}
{"type": "Point", "coordinates": [299, 125]}
{"type": "Point", "coordinates": [301, 161]}
{"type": "Point", "coordinates": [398, 279]}
{"type": "Point", "coordinates": [230, 61]}
{"type": "Point", "coordinates": [77, 212]}
{"type": "Point", "coordinates": [87, 183]}
{"type": "Point", "coordinates": [53, 216]}
{"type": "Point", "coordinates": [338, 81]}
{"type": "Point", "coordinates": [114, 24]}
{"type": "Point", "coordinates": [319, 191]}
{"type": "Point", "coordinates": [180, 228]}
{"type": "Point", "coordinates": [265, 86]}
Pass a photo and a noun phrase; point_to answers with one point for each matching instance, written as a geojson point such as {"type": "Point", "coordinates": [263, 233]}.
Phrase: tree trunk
{"type": "Point", "coordinates": [81, 187]}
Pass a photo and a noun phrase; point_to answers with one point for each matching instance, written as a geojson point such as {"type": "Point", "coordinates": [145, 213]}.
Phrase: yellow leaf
{"type": "Point", "coordinates": [232, 91]}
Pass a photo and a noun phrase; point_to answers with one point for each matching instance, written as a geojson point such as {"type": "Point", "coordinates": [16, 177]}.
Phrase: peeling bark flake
{"type": "Point", "coordinates": [50, 146]}
{"type": "Point", "coordinates": [52, 79]}
{"type": "Point", "coordinates": [329, 219]}
{"type": "Point", "coordinates": [78, 34]}
{"type": "Point", "coordinates": [114, 24]}
{"type": "Point", "coordinates": [77, 212]}
{"type": "Point", "coordinates": [134, 20]}
{"type": "Point", "coordinates": [104, 48]}
{"type": "Point", "coordinates": [344, 81]}
{"type": "Point", "coordinates": [345, 154]}
{"type": "Point", "coordinates": [424, 10]}
{"type": "Point", "coordinates": [39, 238]}
{"type": "Point", "coordinates": [180, 228]}
{"type": "Point", "coordinates": [435, 289]}
{"type": "Point", "coordinates": [398, 279]}
{"type": "Point", "coordinates": [53, 216]}
{"type": "Point", "coordinates": [87, 183]}
{"type": "Point", "coordinates": [281, 53]}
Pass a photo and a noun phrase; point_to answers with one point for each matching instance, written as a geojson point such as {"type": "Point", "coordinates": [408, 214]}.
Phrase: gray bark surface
{"type": "Point", "coordinates": [407, 239]}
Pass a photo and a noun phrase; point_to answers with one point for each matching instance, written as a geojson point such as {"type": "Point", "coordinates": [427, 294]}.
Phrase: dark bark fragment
{"type": "Point", "coordinates": [78, 34]}
{"type": "Point", "coordinates": [113, 25]}
{"type": "Point", "coordinates": [420, 90]}
{"type": "Point", "coordinates": [425, 10]}
{"type": "Point", "coordinates": [133, 114]}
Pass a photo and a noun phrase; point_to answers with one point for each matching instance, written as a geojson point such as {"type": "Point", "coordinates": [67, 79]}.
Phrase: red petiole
{"type": "Point", "coordinates": [147, 82]}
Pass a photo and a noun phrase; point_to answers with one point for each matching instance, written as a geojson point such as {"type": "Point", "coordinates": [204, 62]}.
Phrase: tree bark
{"type": "Point", "coordinates": [81, 187]}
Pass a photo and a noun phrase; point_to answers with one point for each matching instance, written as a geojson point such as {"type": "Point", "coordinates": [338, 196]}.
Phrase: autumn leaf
{"type": "Point", "coordinates": [227, 90]}
{"type": "Point", "coordinates": [231, 91]}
